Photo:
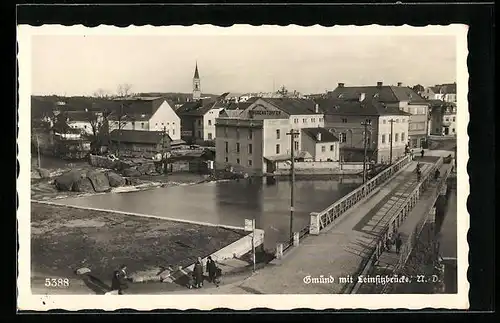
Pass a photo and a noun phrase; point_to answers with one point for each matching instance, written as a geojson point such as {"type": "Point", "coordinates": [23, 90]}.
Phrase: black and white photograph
{"type": "Point", "coordinates": [239, 167]}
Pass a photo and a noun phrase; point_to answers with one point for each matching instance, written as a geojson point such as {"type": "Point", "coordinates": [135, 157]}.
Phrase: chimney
{"type": "Point", "coordinates": [379, 84]}
{"type": "Point", "coordinates": [362, 97]}
{"type": "Point", "coordinates": [341, 85]}
{"type": "Point", "coordinates": [316, 108]}
{"type": "Point", "coordinates": [400, 84]}
{"type": "Point", "coordinates": [318, 136]}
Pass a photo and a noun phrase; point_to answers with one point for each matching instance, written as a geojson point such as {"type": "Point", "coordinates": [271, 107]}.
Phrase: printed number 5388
{"type": "Point", "coordinates": [56, 282]}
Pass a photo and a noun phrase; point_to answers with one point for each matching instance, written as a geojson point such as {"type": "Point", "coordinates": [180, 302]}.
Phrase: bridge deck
{"type": "Point", "coordinates": [338, 251]}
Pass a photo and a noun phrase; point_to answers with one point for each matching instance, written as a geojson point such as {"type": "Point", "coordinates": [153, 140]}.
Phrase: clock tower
{"type": "Point", "coordinates": [196, 84]}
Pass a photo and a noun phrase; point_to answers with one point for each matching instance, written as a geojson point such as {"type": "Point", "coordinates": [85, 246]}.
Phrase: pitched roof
{"type": "Point", "coordinates": [141, 108]}
{"type": "Point", "coordinates": [138, 136]}
{"type": "Point", "coordinates": [450, 88]}
{"type": "Point", "coordinates": [196, 74]}
{"type": "Point", "coordinates": [293, 106]}
{"type": "Point", "coordinates": [196, 108]}
{"type": "Point", "coordinates": [381, 93]}
{"type": "Point", "coordinates": [367, 107]}
{"type": "Point", "coordinates": [326, 136]}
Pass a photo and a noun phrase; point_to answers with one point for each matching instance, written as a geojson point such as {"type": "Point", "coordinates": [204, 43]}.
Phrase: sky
{"type": "Point", "coordinates": [81, 65]}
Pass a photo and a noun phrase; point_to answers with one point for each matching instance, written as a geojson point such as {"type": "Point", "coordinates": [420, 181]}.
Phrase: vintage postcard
{"type": "Point", "coordinates": [245, 167]}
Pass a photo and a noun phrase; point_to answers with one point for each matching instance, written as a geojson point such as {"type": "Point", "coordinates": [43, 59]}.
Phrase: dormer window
{"type": "Point", "coordinates": [341, 95]}
{"type": "Point", "coordinates": [376, 95]}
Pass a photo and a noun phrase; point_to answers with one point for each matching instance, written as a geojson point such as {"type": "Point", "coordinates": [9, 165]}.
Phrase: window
{"type": "Point", "coordinates": [453, 119]}
{"type": "Point", "coordinates": [313, 120]}
{"type": "Point", "coordinates": [250, 134]}
{"type": "Point", "coordinates": [396, 137]}
{"type": "Point", "coordinates": [453, 130]}
{"type": "Point", "coordinates": [277, 134]}
{"type": "Point", "coordinates": [227, 146]}
{"type": "Point", "coordinates": [199, 134]}
{"type": "Point", "coordinates": [397, 120]}
{"type": "Point", "coordinates": [209, 136]}
{"type": "Point", "coordinates": [320, 119]}
{"type": "Point", "coordinates": [342, 137]}
{"type": "Point", "coordinates": [142, 125]}
{"type": "Point", "coordinates": [296, 145]}
{"type": "Point", "coordinates": [250, 148]}
{"type": "Point", "coordinates": [238, 147]}
{"type": "Point", "coordinates": [331, 147]}
{"type": "Point", "coordinates": [199, 122]}
{"type": "Point", "coordinates": [323, 149]}
{"type": "Point", "coordinates": [84, 126]}
{"type": "Point", "coordinates": [447, 119]}
{"type": "Point", "coordinates": [173, 131]}
{"type": "Point", "coordinates": [227, 159]}
{"type": "Point", "coordinates": [402, 136]}
{"type": "Point", "coordinates": [249, 162]}
{"type": "Point", "coordinates": [295, 120]}
{"type": "Point", "coordinates": [304, 120]}
{"type": "Point", "coordinates": [344, 120]}
{"type": "Point", "coordinates": [383, 139]}
{"type": "Point", "coordinates": [209, 122]}
{"type": "Point", "coordinates": [384, 121]}
{"type": "Point", "coordinates": [277, 148]}
{"type": "Point", "coordinates": [237, 160]}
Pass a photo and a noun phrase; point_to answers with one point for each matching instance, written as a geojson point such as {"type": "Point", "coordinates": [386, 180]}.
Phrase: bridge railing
{"type": "Point", "coordinates": [399, 215]}
{"type": "Point", "coordinates": [320, 220]}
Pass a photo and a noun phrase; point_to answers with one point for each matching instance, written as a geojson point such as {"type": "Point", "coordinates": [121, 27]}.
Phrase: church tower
{"type": "Point", "coordinates": [196, 84]}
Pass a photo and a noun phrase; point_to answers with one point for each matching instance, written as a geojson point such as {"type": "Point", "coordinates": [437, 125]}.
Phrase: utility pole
{"type": "Point", "coordinates": [38, 151]}
{"type": "Point", "coordinates": [390, 142]}
{"type": "Point", "coordinates": [366, 123]}
{"type": "Point", "coordinates": [164, 154]}
{"type": "Point", "coordinates": [119, 129]}
{"type": "Point", "coordinates": [292, 134]}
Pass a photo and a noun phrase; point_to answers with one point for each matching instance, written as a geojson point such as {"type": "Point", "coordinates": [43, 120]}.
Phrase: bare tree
{"type": "Point", "coordinates": [100, 93]}
{"type": "Point", "coordinates": [124, 90]}
{"type": "Point", "coordinates": [283, 91]}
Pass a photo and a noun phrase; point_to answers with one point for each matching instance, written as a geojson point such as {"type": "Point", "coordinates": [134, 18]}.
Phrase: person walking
{"type": "Point", "coordinates": [419, 175]}
{"type": "Point", "coordinates": [198, 274]}
{"type": "Point", "coordinates": [411, 154]}
{"type": "Point", "coordinates": [436, 174]}
{"type": "Point", "coordinates": [399, 242]}
{"type": "Point", "coordinates": [388, 244]}
{"type": "Point", "coordinates": [211, 268]}
{"type": "Point", "coordinates": [119, 280]}
{"type": "Point", "coordinates": [422, 153]}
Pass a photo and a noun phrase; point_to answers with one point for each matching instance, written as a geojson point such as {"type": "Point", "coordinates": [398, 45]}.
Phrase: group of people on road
{"type": "Point", "coordinates": [119, 281]}
{"type": "Point", "coordinates": [214, 273]}
{"type": "Point", "coordinates": [410, 152]}
{"type": "Point", "coordinates": [390, 242]}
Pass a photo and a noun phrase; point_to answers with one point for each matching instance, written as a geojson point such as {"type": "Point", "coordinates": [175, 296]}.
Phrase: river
{"type": "Point", "coordinates": [231, 202]}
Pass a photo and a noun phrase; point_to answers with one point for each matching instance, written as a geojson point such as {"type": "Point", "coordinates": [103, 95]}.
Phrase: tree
{"type": "Point", "coordinates": [100, 93]}
{"type": "Point", "coordinates": [60, 124]}
{"type": "Point", "coordinates": [418, 88]}
{"type": "Point", "coordinates": [283, 91]}
{"type": "Point", "coordinates": [123, 90]}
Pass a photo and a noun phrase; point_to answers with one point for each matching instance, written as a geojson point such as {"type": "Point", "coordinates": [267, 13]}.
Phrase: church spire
{"type": "Point", "coordinates": [196, 75]}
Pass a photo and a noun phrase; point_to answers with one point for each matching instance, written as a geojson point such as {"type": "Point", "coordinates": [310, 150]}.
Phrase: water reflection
{"type": "Point", "coordinates": [231, 202]}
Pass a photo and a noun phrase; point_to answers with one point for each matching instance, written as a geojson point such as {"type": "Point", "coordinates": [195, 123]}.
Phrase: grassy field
{"type": "Point", "coordinates": [64, 239]}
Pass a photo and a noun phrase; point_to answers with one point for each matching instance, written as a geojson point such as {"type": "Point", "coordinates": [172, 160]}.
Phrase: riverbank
{"type": "Point", "coordinates": [65, 239]}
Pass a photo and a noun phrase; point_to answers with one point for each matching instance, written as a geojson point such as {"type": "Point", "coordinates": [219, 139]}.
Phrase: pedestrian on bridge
{"type": "Point", "coordinates": [436, 174]}
{"type": "Point", "coordinates": [198, 274]}
{"type": "Point", "coordinates": [399, 242]}
{"type": "Point", "coordinates": [388, 244]}
{"type": "Point", "coordinates": [419, 175]}
{"type": "Point", "coordinates": [422, 153]}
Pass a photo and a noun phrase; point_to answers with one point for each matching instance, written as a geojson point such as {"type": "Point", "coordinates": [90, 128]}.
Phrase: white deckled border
{"type": "Point", "coordinates": [27, 301]}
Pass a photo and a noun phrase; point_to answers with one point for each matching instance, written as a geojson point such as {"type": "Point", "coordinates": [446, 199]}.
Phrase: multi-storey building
{"type": "Point", "coordinates": [441, 92]}
{"type": "Point", "coordinates": [258, 137]}
{"type": "Point", "coordinates": [443, 118]}
{"type": "Point", "coordinates": [144, 113]}
{"type": "Point", "coordinates": [348, 119]}
{"type": "Point", "coordinates": [400, 97]}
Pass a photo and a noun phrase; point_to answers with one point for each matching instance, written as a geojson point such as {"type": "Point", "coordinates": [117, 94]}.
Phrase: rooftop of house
{"type": "Point", "coordinates": [196, 108]}
{"type": "Point", "coordinates": [136, 109]}
{"type": "Point", "coordinates": [320, 134]}
{"type": "Point", "coordinates": [139, 136]}
{"type": "Point", "coordinates": [383, 93]}
{"type": "Point", "coordinates": [450, 88]}
{"type": "Point", "coordinates": [367, 107]}
{"type": "Point", "coordinates": [292, 106]}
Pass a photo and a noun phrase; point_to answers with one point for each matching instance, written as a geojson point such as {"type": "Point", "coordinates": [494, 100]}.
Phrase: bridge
{"type": "Point", "coordinates": [347, 238]}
